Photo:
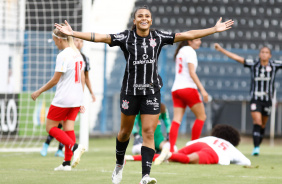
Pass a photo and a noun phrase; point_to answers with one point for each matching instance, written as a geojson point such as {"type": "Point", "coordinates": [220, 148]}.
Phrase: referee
{"type": "Point", "coordinates": [263, 72]}
{"type": "Point", "coordinates": [141, 84]}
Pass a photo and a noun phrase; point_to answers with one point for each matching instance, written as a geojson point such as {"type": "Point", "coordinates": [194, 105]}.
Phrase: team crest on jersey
{"type": "Point", "coordinates": [268, 69]}
{"type": "Point", "coordinates": [253, 106]}
{"type": "Point", "coordinates": [153, 42]}
{"type": "Point", "coordinates": [125, 104]}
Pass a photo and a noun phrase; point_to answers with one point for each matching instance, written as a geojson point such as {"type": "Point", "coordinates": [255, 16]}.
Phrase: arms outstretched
{"type": "Point", "coordinates": [93, 37]}
{"type": "Point", "coordinates": [229, 54]}
{"type": "Point", "coordinates": [193, 34]}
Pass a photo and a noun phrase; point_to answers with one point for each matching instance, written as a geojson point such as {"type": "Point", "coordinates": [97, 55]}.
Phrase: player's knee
{"type": "Point", "coordinates": [148, 134]}
{"type": "Point", "coordinates": [257, 122]}
{"type": "Point", "coordinates": [48, 128]}
{"type": "Point", "coordinates": [124, 135]}
{"type": "Point", "coordinates": [202, 117]}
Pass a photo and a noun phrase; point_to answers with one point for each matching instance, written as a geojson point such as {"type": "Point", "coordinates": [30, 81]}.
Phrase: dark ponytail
{"type": "Point", "coordinates": [181, 44]}
{"type": "Point", "coordinates": [265, 47]}
{"type": "Point", "coordinates": [139, 8]}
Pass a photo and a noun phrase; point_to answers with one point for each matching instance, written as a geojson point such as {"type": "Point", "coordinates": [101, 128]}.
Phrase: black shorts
{"type": "Point", "coordinates": [264, 107]}
{"type": "Point", "coordinates": [146, 104]}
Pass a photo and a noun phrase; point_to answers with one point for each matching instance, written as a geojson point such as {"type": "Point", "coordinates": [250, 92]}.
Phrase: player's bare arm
{"type": "Point", "coordinates": [197, 81]}
{"type": "Point", "coordinates": [229, 54]}
{"type": "Point", "coordinates": [82, 79]}
{"type": "Point", "coordinates": [193, 34]}
{"type": "Point", "coordinates": [89, 36]}
{"type": "Point", "coordinates": [55, 79]}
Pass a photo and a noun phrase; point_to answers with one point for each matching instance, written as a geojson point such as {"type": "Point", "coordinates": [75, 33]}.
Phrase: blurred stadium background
{"type": "Point", "coordinates": [28, 57]}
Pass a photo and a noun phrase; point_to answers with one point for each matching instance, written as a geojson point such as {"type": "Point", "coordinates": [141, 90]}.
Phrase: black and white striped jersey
{"type": "Point", "coordinates": [141, 53]}
{"type": "Point", "coordinates": [86, 61]}
{"type": "Point", "coordinates": [262, 78]}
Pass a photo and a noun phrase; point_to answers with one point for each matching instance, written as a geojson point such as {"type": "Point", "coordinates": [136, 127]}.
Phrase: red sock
{"type": "Point", "coordinates": [155, 156]}
{"type": "Point", "coordinates": [197, 129]}
{"type": "Point", "coordinates": [179, 157]}
{"type": "Point", "coordinates": [173, 134]}
{"type": "Point", "coordinates": [139, 157]}
{"type": "Point", "coordinates": [62, 137]}
{"type": "Point", "coordinates": [68, 151]}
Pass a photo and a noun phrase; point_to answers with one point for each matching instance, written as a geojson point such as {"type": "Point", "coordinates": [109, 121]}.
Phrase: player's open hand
{"type": "Point", "coordinates": [205, 96]}
{"type": "Point", "coordinates": [223, 26]}
{"type": "Point", "coordinates": [93, 97]}
{"type": "Point", "coordinates": [65, 29]}
{"type": "Point", "coordinates": [217, 46]}
{"type": "Point", "coordinates": [34, 95]}
{"type": "Point", "coordinates": [82, 109]}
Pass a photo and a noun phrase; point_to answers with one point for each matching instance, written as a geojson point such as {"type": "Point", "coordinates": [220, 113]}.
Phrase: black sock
{"type": "Point", "coordinates": [256, 135]}
{"type": "Point", "coordinates": [147, 159]}
{"type": "Point", "coordinates": [120, 151]}
{"type": "Point", "coordinates": [66, 163]}
{"type": "Point", "coordinates": [75, 146]}
{"type": "Point", "coordinates": [261, 134]}
{"type": "Point", "coordinates": [60, 126]}
{"type": "Point", "coordinates": [60, 146]}
{"type": "Point", "coordinates": [49, 139]}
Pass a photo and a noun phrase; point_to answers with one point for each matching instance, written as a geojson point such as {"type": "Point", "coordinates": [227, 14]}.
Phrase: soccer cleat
{"type": "Point", "coordinates": [63, 168]}
{"type": "Point", "coordinates": [165, 154]}
{"type": "Point", "coordinates": [255, 151]}
{"type": "Point", "coordinates": [43, 152]}
{"type": "Point", "coordinates": [59, 153]}
{"type": "Point", "coordinates": [117, 174]}
{"type": "Point", "coordinates": [148, 180]}
{"type": "Point", "coordinates": [77, 154]}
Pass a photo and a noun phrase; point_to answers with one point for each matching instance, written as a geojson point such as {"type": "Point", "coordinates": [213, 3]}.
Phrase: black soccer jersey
{"type": "Point", "coordinates": [86, 61]}
{"type": "Point", "coordinates": [141, 54]}
{"type": "Point", "coordinates": [262, 78]}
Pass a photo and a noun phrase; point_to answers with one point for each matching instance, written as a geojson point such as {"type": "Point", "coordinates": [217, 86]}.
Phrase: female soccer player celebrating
{"type": "Point", "coordinates": [69, 77]}
{"type": "Point", "coordinates": [263, 72]}
{"type": "Point", "coordinates": [141, 83]}
{"type": "Point", "coordinates": [184, 90]}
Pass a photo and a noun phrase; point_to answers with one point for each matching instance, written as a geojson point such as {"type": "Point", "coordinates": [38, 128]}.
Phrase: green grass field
{"type": "Point", "coordinates": [97, 164]}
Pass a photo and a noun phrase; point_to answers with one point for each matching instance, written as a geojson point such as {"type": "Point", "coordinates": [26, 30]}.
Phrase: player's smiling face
{"type": "Point", "coordinates": [143, 19]}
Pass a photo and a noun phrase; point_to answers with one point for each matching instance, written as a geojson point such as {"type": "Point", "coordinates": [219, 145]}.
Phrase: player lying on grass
{"type": "Point", "coordinates": [219, 148]}
{"type": "Point", "coordinates": [159, 138]}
